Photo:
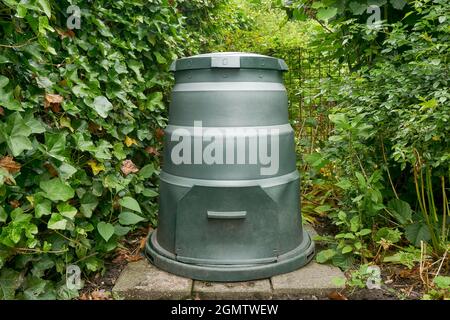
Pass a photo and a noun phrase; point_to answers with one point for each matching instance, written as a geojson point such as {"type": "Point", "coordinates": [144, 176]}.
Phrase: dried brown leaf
{"type": "Point", "coordinates": [53, 101]}
{"type": "Point", "coordinates": [337, 296]}
{"type": "Point", "coordinates": [51, 169]}
{"type": "Point", "coordinates": [159, 133]}
{"type": "Point", "coordinates": [14, 203]}
{"type": "Point", "coordinates": [128, 167]}
{"type": "Point", "coordinates": [152, 151]}
{"type": "Point", "coordinates": [9, 164]}
{"type": "Point", "coordinates": [65, 33]}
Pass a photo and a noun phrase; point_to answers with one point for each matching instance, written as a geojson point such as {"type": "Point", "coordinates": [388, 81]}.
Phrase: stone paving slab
{"type": "Point", "coordinates": [248, 290]}
{"type": "Point", "coordinates": [313, 280]}
{"type": "Point", "coordinates": [141, 280]}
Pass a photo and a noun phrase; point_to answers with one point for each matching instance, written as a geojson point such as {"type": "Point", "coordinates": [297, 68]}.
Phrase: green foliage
{"type": "Point", "coordinates": [267, 30]}
{"type": "Point", "coordinates": [78, 108]}
{"type": "Point", "coordinates": [441, 290]}
{"type": "Point", "coordinates": [390, 145]}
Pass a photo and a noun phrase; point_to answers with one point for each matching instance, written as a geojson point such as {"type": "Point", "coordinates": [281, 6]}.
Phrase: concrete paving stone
{"type": "Point", "coordinates": [311, 281]}
{"type": "Point", "coordinates": [247, 290]}
{"type": "Point", "coordinates": [141, 280]}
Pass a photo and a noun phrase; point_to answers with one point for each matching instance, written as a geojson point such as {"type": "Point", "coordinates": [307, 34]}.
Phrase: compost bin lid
{"type": "Point", "coordinates": [229, 60]}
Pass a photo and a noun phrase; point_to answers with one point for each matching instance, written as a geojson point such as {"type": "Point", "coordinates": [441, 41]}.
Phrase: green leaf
{"type": "Point", "coordinates": [417, 232]}
{"type": "Point", "coordinates": [39, 289]}
{"type": "Point", "coordinates": [129, 218]}
{"type": "Point", "coordinates": [55, 145]}
{"type": "Point", "coordinates": [3, 215]}
{"type": "Point", "coordinates": [121, 230]}
{"type": "Point", "coordinates": [357, 7]}
{"type": "Point", "coordinates": [16, 134]}
{"type": "Point", "coordinates": [102, 105]}
{"type": "Point", "coordinates": [388, 234]}
{"type": "Point", "coordinates": [46, 7]}
{"type": "Point", "coordinates": [66, 171]}
{"type": "Point", "coordinates": [57, 222]}
{"type": "Point", "coordinates": [408, 257]}
{"type": "Point", "coordinates": [354, 224]}
{"type": "Point", "coordinates": [361, 180]}
{"type": "Point", "coordinates": [106, 230]}
{"type": "Point", "coordinates": [3, 81]}
{"type": "Point", "coordinates": [398, 4]}
{"type": "Point", "coordinates": [442, 282]}
{"type": "Point", "coordinates": [325, 255]}
{"type": "Point", "coordinates": [149, 193]}
{"type": "Point", "coordinates": [147, 171]}
{"type": "Point", "coordinates": [57, 190]}
{"type": "Point", "coordinates": [10, 281]}
{"type": "Point", "coordinates": [344, 184]}
{"type": "Point", "coordinates": [326, 14]}
{"type": "Point", "coordinates": [364, 232]}
{"type": "Point", "coordinates": [401, 211]}
{"type": "Point", "coordinates": [159, 58]}
{"type": "Point", "coordinates": [130, 203]}
{"type": "Point", "coordinates": [339, 281]}
{"type": "Point", "coordinates": [88, 203]}
{"type": "Point", "coordinates": [42, 207]}
{"type": "Point", "coordinates": [67, 210]}
{"type": "Point", "coordinates": [118, 151]}
{"type": "Point", "coordinates": [347, 249]}
{"type": "Point", "coordinates": [18, 144]}
{"type": "Point", "coordinates": [316, 160]}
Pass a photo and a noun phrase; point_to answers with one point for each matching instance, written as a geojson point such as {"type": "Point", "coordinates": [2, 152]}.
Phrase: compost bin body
{"type": "Point", "coordinates": [229, 187]}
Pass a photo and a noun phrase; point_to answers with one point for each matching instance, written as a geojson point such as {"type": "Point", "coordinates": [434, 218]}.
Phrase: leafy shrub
{"type": "Point", "coordinates": [81, 113]}
{"type": "Point", "coordinates": [390, 145]}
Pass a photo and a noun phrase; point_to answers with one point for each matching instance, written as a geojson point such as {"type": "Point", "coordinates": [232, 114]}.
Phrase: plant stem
{"type": "Point", "coordinates": [387, 169]}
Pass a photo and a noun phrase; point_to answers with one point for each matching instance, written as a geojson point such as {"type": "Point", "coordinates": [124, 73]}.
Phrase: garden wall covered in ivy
{"type": "Point", "coordinates": [83, 86]}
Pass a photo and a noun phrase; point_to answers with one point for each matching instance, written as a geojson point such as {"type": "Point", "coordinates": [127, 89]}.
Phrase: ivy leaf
{"type": "Point", "coordinates": [57, 190]}
{"type": "Point", "coordinates": [42, 207]}
{"type": "Point", "coordinates": [129, 218]}
{"type": "Point", "coordinates": [121, 230]}
{"type": "Point", "coordinates": [398, 4]}
{"type": "Point", "coordinates": [39, 289]}
{"type": "Point", "coordinates": [106, 230]}
{"type": "Point", "coordinates": [130, 203]}
{"type": "Point", "coordinates": [3, 215]}
{"type": "Point", "coordinates": [66, 171]}
{"type": "Point", "coordinates": [67, 210]}
{"type": "Point", "coordinates": [10, 281]}
{"type": "Point", "coordinates": [159, 58]}
{"type": "Point", "coordinates": [57, 222]}
{"type": "Point", "coordinates": [88, 203]}
{"type": "Point", "coordinates": [46, 7]}
{"type": "Point", "coordinates": [149, 193]}
{"type": "Point", "coordinates": [3, 81]}
{"type": "Point", "coordinates": [102, 105]}
{"type": "Point", "coordinates": [16, 134]}
{"type": "Point", "coordinates": [55, 145]}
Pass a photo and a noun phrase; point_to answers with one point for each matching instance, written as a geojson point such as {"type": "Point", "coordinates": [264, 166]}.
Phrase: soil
{"type": "Point", "coordinates": [399, 283]}
{"type": "Point", "coordinates": [99, 286]}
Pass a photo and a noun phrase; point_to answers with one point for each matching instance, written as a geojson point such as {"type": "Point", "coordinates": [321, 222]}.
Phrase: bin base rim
{"type": "Point", "coordinates": [231, 273]}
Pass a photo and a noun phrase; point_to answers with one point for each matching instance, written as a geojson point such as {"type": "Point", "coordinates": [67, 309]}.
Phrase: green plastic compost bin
{"type": "Point", "coordinates": [229, 187]}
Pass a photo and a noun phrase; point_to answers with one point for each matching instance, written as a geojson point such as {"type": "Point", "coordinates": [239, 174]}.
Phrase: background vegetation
{"type": "Point", "coordinates": [81, 113]}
